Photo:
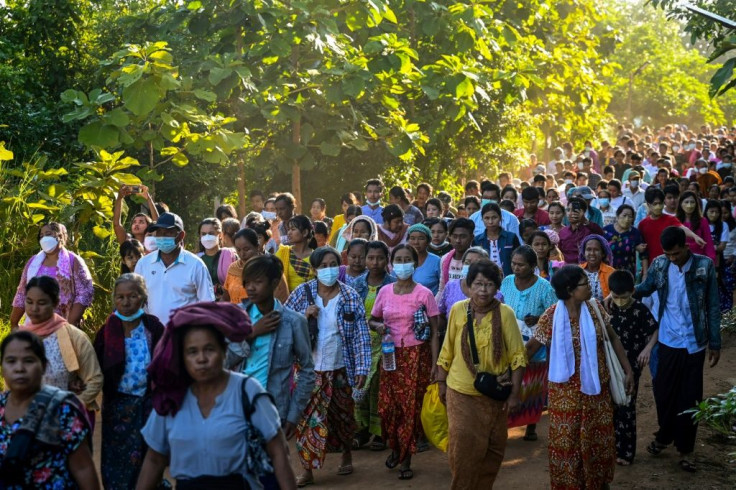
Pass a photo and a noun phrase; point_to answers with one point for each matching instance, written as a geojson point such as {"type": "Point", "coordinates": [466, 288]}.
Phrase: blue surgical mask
{"type": "Point", "coordinates": [328, 275]}
{"type": "Point", "coordinates": [130, 318]}
{"type": "Point", "coordinates": [483, 202]}
{"type": "Point", "coordinates": [604, 202]}
{"type": "Point", "coordinates": [466, 268]}
{"type": "Point", "coordinates": [166, 244]}
{"type": "Point", "coordinates": [404, 271]}
{"type": "Point", "coordinates": [268, 215]}
{"type": "Point", "coordinates": [372, 203]}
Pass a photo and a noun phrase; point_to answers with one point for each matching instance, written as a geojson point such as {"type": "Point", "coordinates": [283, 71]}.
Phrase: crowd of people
{"type": "Point", "coordinates": [281, 328]}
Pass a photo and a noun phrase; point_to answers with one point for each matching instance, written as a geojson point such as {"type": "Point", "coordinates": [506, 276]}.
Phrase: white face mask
{"type": "Point", "coordinates": [581, 165]}
{"type": "Point", "coordinates": [268, 215]}
{"type": "Point", "coordinates": [150, 243]}
{"type": "Point", "coordinates": [209, 241]}
{"type": "Point", "coordinates": [404, 271]}
{"type": "Point", "coordinates": [48, 244]}
{"type": "Point", "coordinates": [702, 170]}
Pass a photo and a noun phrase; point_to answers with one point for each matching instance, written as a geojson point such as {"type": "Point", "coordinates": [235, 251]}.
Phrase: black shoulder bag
{"type": "Point", "coordinates": [311, 321]}
{"type": "Point", "coordinates": [490, 385]}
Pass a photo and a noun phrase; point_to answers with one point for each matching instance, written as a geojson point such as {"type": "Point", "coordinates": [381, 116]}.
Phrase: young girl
{"type": "Point", "coordinates": [439, 244]}
{"type": "Point", "coordinates": [543, 246]}
{"type": "Point", "coordinates": [131, 252]}
{"type": "Point", "coordinates": [295, 257]}
{"type": "Point", "coordinates": [719, 232]}
{"type": "Point", "coordinates": [355, 267]}
{"type": "Point", "coordinates": [689, 214]}
{"type": "Point", "coordinates": [556, 215]}
{"type": "Point", "coordinates": [498, 242]}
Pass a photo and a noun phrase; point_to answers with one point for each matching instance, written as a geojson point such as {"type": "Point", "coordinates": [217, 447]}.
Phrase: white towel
{"type": "Point", "coordinates": [562, 356]}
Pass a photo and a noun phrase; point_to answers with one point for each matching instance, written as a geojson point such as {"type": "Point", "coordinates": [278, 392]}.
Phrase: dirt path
{"type": "Point", "coordinates": [525, 464]}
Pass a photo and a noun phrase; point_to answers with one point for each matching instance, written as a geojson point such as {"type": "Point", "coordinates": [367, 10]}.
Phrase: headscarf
{"type": "Point", "coordinates": [44, 329]}
{"type": "Point", "coordinates": [422, 228]}
{"type": "Point", "coordinates": [347, 235]}
{"type": "Point", "coordinates": [607, 254]}
{"type": "Point", "coordinates": [168, 377]}
{"type": "Point", "coordinates": [554, 238]}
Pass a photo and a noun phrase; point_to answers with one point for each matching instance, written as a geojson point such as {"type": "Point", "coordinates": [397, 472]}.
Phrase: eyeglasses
{"type": "Point", "coordinates": [583, 284]}
{"type": "Point", "coordinates": [483, 286]}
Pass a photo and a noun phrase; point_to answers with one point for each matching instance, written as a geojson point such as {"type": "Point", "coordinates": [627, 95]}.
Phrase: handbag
{"type": "Point", "coordinates": [618, 377]}
{"type": "Point", "coordinates": [490, 385]}
{"type": "Point", "coordinates": [421, 326]}
{"type": "Point", "coordinates": [258, 462]}
{"type": "Point", "coordinates": [311, 321]}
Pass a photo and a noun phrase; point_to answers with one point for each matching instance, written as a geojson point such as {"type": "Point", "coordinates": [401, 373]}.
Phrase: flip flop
{"type": "Point", "coordinates": [392, 461]}
{"type": "Point", "coordinates": [406, 474]}
{"type": "Point", "coordinates": [688, 466]}
{"type": "Point", "coordinates": [377, 444]}
{"type": "Point", "coordinates": [345, 470]}
{"type": "Point", "coordinates": [531, 437]}
{"type": "Point", "coordinates": [303, 481]}
{"type": "Point", "coordinates": [655, 449]}
{"type": "Point", "coordinates": [622, 462]}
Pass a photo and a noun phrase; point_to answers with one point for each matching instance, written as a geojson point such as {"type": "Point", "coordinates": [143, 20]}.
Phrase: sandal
{"type": "Point", "coordinates": [302, 481]}
{"type": "Point", "coordinates": [392, 461]}
{"type": "Point", "coordinates": [688, 466]}
{"type": "Point", "coordinates": [622, 462]}
{"type": "Point", "coordinates": [360, 440]}
{"type": "Point", "coordinates": [377, 444]}
{"type": "Point", "coordinates": [406, 474]}
{"type": "Point", "coordinates": [345, 470]}
{"type": "Point", "coordinates": [422, 446]}
{"type": "Point", "coordinates": [531, 436]}
{"type": "Point", "coordinates": [655, 448]}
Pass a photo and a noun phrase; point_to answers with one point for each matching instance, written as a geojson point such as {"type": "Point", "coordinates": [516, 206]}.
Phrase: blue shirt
{"type": "Point", "coordinates": [676, 325]}
{"type": "Point", "coordinates": [137, 358]}
{"type": "Point", "coordinates": [374, 214]}
{"type": "Point", "coordinates": [428, 274]}
{"type": "Point", "coordinates": [509, 222]}
{"type": "Point", "coordinates": [256, 365]}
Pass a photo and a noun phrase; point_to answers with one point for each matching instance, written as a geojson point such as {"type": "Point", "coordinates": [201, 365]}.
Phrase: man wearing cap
{"type": "Point", "coordinates": [635, 190]}
{"type": "Point", "coordinates": [174, 277]}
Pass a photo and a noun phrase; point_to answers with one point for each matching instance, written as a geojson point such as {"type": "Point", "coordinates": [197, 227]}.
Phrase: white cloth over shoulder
{"type": "Point", "coordinates": [562, 355]}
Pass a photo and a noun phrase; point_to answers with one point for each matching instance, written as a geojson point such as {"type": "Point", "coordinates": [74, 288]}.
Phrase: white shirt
{"type": "Point", "coordinates": [184, 282]}
{"type": "Point", "coordinates": [676, 328]}
{"type": "Point", "coordinates": [328, 354]}
{"type": "Point", "coordinates": [509, 222]}
{"type": "Point", "coordinates": [638, 197]}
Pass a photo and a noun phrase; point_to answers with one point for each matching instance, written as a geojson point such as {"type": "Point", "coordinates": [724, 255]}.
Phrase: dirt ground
{"type": "Point", "coordinates": [525, 463]}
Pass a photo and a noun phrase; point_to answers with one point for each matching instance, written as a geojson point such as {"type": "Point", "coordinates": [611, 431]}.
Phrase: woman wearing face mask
{"type": "Point", "coordinates": [625, 241]}
{"type": "Point", "coordinates": [131, 252]}
{"type": "Point", "coordinates": [295, 256]}
{"type": "Point", "coordinates": [367, 286]}
{"type": "Point", "coordinates": [356, 262]}
{"type": "Point", "coordinates": [544, 243]}
{"type": "Point", "coordinates": [124, 347]}
{"type": "Point", "coordinates": [342, 360]}
{"type": "Point", "coordinates": [68, 268]}
{"type": "Point", "coordinates": [140, 220]}
{"type": "Point", "coordinates": [439, 244]}
{"type": "Point", "coordinates": [247, 246]}
{"type": "Point", "coordinates": [400, 310]}
{"type": "Point", "coordinates": [72, 363]}
{"type": "Point", "coordinates": [427, 272]}
{"type": "Point", "coordinates": [59, 454]}
{"type": "Point", "coordinates": [604, 205]}
{"type": "Point", "coordinates": [529, 296]}
{"type": "Point", "coordinates": [215, 257]}
{"type": "Point", "coordinates": [556, 213]}
{"type": "Point", "coordinates": [595, 259]}
{"type": "Point", "coordinates": [689, 214]}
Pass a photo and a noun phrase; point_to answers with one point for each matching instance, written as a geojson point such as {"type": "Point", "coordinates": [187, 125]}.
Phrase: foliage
{"type": "Point", "coordinates": [720, 38]}
{"type": "Point", "coordinates": [670, 80]}
{"type": "Point", "coordinates": [718, 413]}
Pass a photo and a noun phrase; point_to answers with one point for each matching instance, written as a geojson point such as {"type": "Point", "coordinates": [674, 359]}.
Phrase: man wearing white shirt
{"type": "Point", "coordinates": [635, 189]}
{"type": "Point", "coordinates": [617, 199]}
{"type": "Point", "coordinates": [552, 164]}
{"type": "Point", "coordinates": [174, 277]}
{"type": "Point", "coordinates": [491, 192]}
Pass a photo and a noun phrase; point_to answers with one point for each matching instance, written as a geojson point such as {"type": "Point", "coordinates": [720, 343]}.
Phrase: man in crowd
{"type": "Point", "coordinates": [372, 207]}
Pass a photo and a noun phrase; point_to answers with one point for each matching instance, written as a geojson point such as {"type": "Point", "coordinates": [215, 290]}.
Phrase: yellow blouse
{"type": "Point", "coordinates": [451, 359]}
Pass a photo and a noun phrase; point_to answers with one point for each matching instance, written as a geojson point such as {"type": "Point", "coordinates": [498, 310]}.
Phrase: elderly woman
{"type": "Point", "coordinates": [393, 231]}
{"type": "Point", "coordinates": [529, 296]}
{"type": "Point", "coordinates": [68, 268]}
{"type": "Point", "coordinates": [59, 454]}
{"type": "Point", "coordinates": [124, 347]}
{"type": "Point", "coordinates": [295, 256]}
{"type": "Point", "coordinates": [582, 445]}
{"type": "Point", "coordinates": [336, 239]}
{"type": "Point", "coordinates": [342, 359]}
{"type": "Point", "coordinates": [347, 201]}
{"type": "Point", "coordinates": [427, 272]}
{"type": "Point", "coordinates": [72, 364]}
{"type": "Point", "coordinates": [215, 257]}
{"type": "Point", "coordinates": [247, 246]}
{"type": "Point", "coordinates": [198, 427]}
{"type": "Point", "coordinates": [595, 259]}
{"type": "Point", "coordinates": [477, 423]}
{"type": "Point", "coordinates": [367, 286]}
{"type": "Point", "coordinates": [407, 312]}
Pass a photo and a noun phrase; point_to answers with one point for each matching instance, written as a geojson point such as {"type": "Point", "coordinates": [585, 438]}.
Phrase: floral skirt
{"type": "Point", "coordinates": [400, 398]}
{"type": "Point", "coordinates": [123, 447]}
{"type": "Point", "coordinates": [328, 422]}
{"type": "Point", "coordinates": [533, 396]}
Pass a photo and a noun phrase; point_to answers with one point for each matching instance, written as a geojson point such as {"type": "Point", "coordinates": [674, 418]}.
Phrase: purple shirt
{"type": "Point", "coordinates": [570, 240]}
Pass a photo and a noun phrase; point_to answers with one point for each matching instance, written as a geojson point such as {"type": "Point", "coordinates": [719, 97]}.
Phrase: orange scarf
{"type": "Point", "coordinates": [46, 328]}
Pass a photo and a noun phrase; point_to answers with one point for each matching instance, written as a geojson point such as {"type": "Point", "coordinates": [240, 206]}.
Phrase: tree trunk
{"type": "Point", "coordinates": [241, 188]}
{"type": "Point", "coordinates": [296, 172]}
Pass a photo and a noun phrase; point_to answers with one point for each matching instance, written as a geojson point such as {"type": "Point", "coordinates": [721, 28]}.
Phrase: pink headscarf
{"type": "Point", "coordinates": [168, 377]}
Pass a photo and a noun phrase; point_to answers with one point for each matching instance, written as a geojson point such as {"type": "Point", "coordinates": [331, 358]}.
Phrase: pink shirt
{"type": "Point", "coordinates": [398, 311]}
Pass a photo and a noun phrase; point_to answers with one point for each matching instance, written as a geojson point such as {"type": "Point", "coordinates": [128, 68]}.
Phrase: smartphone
{"type": "Point", "coordinates": [135, 189]}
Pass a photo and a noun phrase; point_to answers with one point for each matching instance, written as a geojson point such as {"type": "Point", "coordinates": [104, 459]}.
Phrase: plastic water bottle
{"type": "Point", "coordinates": [388, 349]}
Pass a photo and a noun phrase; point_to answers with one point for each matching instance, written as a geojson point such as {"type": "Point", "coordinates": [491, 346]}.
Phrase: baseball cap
{"type": "Point", "coordinates": [166, 221]}
{"type": "Point", "coordinates": [585, 192]}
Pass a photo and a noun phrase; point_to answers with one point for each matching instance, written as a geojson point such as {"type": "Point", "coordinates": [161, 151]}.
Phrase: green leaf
{"type": "Point", "coordinates": [464, 89]}
{"type": "Point", "coordinates": [205, 95]}
{"type": "Point", "coordinates": [329, 149]}
{"type": "Point", "coordinates": [100, 232]}
{"type": "Point", "coordinates": [217, 75]}
{"type": "Point", "coordinates": [141, 97]}
{"type": "Point", "coordinates": [180, 160]}
{"type": "Point", "coordinates": [117, 117]}
{"type": "Point", "coordinates": [720, 77]}
{"type": "Point", "coordinates": [199, 25]}
{"type": "Point", "coordinates": [97, 134]}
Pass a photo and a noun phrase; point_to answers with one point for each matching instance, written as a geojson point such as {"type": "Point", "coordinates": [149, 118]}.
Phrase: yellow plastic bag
{"type": "Point", "coordinates": [434, 418]}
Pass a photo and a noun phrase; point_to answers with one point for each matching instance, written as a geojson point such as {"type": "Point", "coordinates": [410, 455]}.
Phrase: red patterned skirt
{"type": "Point", "coordinates": [400, 398]}
{"type": "Point", "coordinates": [328, 423]}
{"type": "Point", "coordinates": [533, 395]}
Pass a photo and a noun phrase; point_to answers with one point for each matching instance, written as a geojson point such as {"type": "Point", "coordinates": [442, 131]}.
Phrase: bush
{"type": "Point", "coordinates": [718, 413]}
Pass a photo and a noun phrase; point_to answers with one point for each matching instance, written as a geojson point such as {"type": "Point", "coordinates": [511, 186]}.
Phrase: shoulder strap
{"type": "Point", "coordinates": [308, 291]}
{"type": "Point", "coordinates": [249, 405]}
{"type": "Point", "coordinates": [593, 304]}
{"type": "Point", "coordinates": [471, 337]}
